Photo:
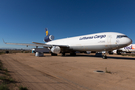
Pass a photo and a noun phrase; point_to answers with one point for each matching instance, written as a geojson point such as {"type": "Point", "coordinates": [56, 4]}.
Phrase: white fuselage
{"type": "Point", "coordinates": [95, 42]}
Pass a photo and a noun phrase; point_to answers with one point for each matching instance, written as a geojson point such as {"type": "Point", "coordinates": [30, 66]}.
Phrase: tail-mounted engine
{"type": "Point", "coordinates": [48, 36]}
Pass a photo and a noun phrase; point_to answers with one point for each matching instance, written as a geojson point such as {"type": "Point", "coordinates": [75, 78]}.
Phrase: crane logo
{"type": "Point", "coordinates": [46, 32]}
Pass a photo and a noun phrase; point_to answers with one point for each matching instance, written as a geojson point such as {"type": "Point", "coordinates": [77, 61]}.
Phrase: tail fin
{"type": "Point", "coordinates": [46, 31]}
{"type": "Point", "coordinates": [48, 36]}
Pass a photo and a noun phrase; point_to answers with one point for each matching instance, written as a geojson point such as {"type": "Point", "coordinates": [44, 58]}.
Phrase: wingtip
{"type": "Point", "coordinates": [3, 41]}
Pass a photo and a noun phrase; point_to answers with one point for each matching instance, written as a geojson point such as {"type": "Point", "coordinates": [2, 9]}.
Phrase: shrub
{"type": "Point", "coordinates": [22, 88]}
{"type": "Point", "coordinates": [3, 87]}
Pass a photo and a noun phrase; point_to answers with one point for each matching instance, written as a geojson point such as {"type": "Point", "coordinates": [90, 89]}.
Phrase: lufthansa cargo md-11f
{"type": "Point", "coordinates": [105, 41]}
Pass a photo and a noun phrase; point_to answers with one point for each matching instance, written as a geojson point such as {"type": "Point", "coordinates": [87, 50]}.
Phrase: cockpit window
{"type": "Point", "coordinates": [121, 36]}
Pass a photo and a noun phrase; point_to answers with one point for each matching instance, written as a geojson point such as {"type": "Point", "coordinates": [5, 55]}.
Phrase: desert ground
{"type": "Point", "coordinates": [71, 72]}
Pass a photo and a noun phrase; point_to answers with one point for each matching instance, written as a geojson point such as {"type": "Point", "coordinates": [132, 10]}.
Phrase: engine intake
{"type": "Point", "coordinates": [49, 38]}
{"type": "Point", "coordinates": [55, 49]}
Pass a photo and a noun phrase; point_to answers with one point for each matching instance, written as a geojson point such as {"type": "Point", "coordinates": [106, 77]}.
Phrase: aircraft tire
{"type": "Point", "coordinates": [63, 54]}
{"type": "Point", "coordinates": [53, 54]}
{"type": "Point", "coordinates": [104, 57]}
{"type": "Point", "coordinates": [73, 54]}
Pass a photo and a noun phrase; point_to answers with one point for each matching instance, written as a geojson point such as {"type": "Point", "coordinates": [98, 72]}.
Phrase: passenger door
{"type": "Point", "coordinates": [109, 38]}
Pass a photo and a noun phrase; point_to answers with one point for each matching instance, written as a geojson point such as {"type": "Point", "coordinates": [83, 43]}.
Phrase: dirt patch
{"type": "Point", "coordinates": [71, 73]}
{"type": "Point", "coordinates": [6, 80]}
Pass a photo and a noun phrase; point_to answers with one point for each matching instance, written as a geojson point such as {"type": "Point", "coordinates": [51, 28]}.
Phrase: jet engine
{"type": "Point", "coordinates": [55, 49]}
{"type": "Point", "coordinates": [49, 38]}
{"type": "Point", "coordinates": [88, 52]}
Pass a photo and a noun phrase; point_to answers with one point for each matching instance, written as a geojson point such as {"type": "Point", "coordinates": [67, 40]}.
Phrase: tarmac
{"type": "Point", "coordinates": [71, 72]}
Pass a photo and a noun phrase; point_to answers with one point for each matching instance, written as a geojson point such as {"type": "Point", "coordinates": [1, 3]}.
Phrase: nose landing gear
{"type": "Point", "coordinates": [104, 56]}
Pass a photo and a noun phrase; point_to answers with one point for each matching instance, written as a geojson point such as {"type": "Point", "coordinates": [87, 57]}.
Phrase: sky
{"type": "Point", "coordinates": [24, 21]}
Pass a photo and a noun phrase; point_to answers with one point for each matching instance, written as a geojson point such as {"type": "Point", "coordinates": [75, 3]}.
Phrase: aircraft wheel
{"type": "Point", "coordinates": [73, 54]}
{"type": "Point", "coordinates": [104, 57]}
{"type": "Point", "coordinates": [53, 54]}
{"type": "Point", "coordinates": [63, 54]}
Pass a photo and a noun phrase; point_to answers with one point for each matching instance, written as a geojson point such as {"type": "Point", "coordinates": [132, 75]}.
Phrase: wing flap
{"type": "Point", "coordinates": [38, 43]}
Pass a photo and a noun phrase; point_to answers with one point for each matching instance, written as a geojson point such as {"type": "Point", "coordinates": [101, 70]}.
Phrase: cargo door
{"type": "Point", "coordinates": [109, 38]}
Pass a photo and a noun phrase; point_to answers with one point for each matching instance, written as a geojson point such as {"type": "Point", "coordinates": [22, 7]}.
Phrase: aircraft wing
{"type": "Point", "coordinates": [36, 44]}
{"type": "Point", "coordinates": [51, 45]}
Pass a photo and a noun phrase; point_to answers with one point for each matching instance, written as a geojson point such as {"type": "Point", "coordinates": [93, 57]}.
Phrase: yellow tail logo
{"type": "Point", "coordinates": [46, 32]}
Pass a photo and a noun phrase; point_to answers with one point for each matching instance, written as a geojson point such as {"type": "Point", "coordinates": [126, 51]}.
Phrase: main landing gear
{"type": "Point", "coordinates": [72, 54]}
{"type": "Point", "coordinates": [63, 54]}
{"type": "Point", "coordinates": [53, 54]}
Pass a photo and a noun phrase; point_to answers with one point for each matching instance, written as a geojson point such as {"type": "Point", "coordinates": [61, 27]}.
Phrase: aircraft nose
{"type": "Point", "coordinates": [124, 42]}
{"type": "Point", "coordinates": [129, 41]}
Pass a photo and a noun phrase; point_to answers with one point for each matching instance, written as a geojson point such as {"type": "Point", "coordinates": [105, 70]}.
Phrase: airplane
{"type": "Point", "coordinates": [128, 49]}
{"type": "Point", "coordinates": [105, 41]}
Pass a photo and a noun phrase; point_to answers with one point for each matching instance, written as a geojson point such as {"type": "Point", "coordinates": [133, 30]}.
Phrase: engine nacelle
{"type": "Point", "coordinates": [49, 38]}
{"type": "Point", "coordinates": [55, 49]}
{"type": "Point", "coordinates": [88, 52]}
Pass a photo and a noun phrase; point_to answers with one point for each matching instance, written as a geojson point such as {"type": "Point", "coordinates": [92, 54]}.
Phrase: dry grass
{"type": "Point", "coordinates": [6, 81]}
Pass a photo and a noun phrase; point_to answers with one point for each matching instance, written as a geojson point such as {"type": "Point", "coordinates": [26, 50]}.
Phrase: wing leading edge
{"type": "Point", "coordinates": [36, 44]}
